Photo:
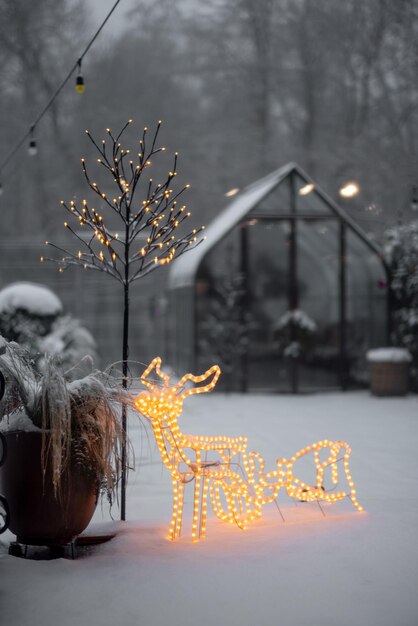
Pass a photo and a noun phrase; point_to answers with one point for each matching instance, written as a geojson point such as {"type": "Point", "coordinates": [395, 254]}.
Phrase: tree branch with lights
{"type": "Point", "coordinates": [149, 215]}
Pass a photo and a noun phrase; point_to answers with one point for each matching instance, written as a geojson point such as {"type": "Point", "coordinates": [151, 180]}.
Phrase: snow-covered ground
{"type": "Point", "coordinates": [347, 568]}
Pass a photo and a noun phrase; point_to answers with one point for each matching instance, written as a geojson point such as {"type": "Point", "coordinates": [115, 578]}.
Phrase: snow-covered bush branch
{"type": "Point", "coordinates": [32, 315]}
{"type": "Point", "coordinates": [402, 256]}
{"type": "Point", "coordinates": [294, 333]}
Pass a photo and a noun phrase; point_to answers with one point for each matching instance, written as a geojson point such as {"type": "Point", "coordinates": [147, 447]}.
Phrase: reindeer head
{"type": "Point", "coordinates": [165, 402]}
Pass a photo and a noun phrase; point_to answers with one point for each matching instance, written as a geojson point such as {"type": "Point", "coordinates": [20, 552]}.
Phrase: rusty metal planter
{"type": "Point", "coordinates": [37, 517]}
{"type": "Point", "coordinates": [389, 379]}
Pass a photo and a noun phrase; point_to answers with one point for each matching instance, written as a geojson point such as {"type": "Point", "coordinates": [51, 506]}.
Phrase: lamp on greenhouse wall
{"type": "Point", "coordinates": [349, 190]}
{"type": "Point", "coordinates": [306, 189]}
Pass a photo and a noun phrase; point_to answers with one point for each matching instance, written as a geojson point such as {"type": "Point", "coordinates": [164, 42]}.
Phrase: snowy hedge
{"type": "Point", "coordinates": [402, 256]}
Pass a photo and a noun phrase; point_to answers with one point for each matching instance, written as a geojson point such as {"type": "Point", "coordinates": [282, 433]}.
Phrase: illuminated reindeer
{"type": "Point", "coordinates": [237, 492]}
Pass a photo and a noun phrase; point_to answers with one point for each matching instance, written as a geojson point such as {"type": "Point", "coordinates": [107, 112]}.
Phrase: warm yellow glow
{"type": "Point", "coordinates": [232, 192]}
{"type": "Point", "coordinates": [349, 190]}
{"type": "Point", "coordinates": [80, 87]}
{"type": "Point", "coordinates": [221, 467]}
{"type": "Point", "coordinates": [303, 191]}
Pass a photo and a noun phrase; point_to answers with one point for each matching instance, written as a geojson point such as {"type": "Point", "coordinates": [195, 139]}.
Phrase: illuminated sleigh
{"type": "Point", "coordinates": [221, 467]}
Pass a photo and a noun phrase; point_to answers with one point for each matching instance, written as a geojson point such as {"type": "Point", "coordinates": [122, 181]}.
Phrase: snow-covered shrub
{"type": "Point", "coordinates": [32, 316]}
{"type": "Point", "coordinates": [27, 311]}
{"type": "Point", "coordinates": [68, 341]}
{"type": "Point", "coordinates": [294, 334]}
{"type": "Point", "coordinates": [402, 256]}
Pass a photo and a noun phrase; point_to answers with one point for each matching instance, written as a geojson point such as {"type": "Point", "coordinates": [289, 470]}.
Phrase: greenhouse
{"type": "Point", "coordinates": [286, 293]}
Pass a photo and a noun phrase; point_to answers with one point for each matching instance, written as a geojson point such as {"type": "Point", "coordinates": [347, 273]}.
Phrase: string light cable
{"type": "Point", "coordinates": [79, 88]}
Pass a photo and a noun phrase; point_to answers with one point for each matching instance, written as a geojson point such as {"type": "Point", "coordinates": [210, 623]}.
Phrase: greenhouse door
{"type": "Point", "coordinates": [293, 303]}
{"type": "Point", "coordinates": [319, 301]}
{"type": "Point", "coordinates": [265, 245]}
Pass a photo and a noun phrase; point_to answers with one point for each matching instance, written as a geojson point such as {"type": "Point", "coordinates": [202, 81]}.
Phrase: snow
{"type": "Point", "coordinates": [183, 271]}
{"type": "Point", "coordinates": [30, 297]}
{"type": "Point", "coordinates": [389, 355]}
{"type": "Point", "coordinates": [347, 568]}
{"type": "Point", "coordinates": [17, 421]}
{"type": "Point", "coordinates": [299, 318]}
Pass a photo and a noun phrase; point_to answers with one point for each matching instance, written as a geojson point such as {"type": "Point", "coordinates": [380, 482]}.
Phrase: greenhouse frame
{"type": "Point", "coordinates": [287, 292]}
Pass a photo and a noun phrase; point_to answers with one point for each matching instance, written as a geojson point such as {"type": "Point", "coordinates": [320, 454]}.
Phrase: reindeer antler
{"type": "Point", "coordinates": [155, 364]}
{"type": "Point", "coordinates": [215, 369]}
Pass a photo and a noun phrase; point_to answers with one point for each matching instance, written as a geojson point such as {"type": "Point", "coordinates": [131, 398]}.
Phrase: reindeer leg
{"type": "Point", "coordinates": [203, 508]}
{"type": "Point", "coordinates": [180, 508]}
{"type": "Point", "coordinates": [196, 507]}
{"type": "Point", "coordinates": [350, 481]}
{"type": "Point", "coordinates": [175, 525]}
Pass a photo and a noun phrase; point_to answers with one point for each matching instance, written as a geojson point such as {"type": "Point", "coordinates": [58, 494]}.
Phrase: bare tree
{"type": "Point", "coordinates": [148, 237]}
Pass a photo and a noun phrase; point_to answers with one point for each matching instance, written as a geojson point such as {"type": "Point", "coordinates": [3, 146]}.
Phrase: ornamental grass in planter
{"type": "Point", "coordinates": [64, 441]}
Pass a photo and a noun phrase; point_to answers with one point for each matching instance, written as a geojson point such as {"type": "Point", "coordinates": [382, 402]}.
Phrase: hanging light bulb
{"type": "Point", "coordinates": [306, 189]}
{"type": "Point", "coordinates": [79, 81]}
{"type": "Point", "coordinates": [32, 149]}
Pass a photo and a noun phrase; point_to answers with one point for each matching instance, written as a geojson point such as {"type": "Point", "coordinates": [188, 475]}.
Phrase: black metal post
{"type": "Point", "coordinates": [244, 302]}
{"type": "Point", "coordinates": [125, 356]}
{"type": "Point", "coordinates": [390, 305]}
{"type": "Point", "coordinates": [293, 292]}
{"type": "Point", "coordinates": [343, 307]}
{"type": "Point", "coordinates": [3, 448]}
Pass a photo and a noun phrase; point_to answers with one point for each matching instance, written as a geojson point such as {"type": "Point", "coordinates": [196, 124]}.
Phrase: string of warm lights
{"type": "Point", "coordinates": [237, 496]}
{"type": "Point", "coordinates": [158, 216]}
{"type": "Point", "coordinates": [80, 87]}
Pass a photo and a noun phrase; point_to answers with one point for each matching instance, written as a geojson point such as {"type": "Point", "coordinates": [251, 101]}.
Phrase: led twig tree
{"type": "Point", "coordinates": [149, 215]}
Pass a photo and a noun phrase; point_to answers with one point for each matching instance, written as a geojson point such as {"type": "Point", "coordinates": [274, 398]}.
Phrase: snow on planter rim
{"type": "Point", "coordinates": [31, 297]}
{"type": "Point", "coordinates": [18, 422]}
{"type": "Point", "coordinates": [389, 355]}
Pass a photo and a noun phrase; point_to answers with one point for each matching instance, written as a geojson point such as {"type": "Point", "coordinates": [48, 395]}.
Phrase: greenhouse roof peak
{"type": "Point", "coordinates": [183, 271]}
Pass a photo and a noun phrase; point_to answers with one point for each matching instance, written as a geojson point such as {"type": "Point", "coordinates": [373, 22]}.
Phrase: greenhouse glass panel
{"type": "Point", "coordinates": [275, 203]}
{"type": "Point", "coordinates": [319, 303]}
{"type": "Point", "coordinates": [218, 316]}
{"type": "Point", "coordinates": [286, 293]}
{"type": "Point", "coordinates": [268, 283]}
{"type": "Point", "coordinates": [366, 305]}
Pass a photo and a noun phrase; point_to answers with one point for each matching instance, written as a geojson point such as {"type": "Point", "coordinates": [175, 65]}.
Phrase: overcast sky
{"type": "Point", "coordinates": [100, 8]}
